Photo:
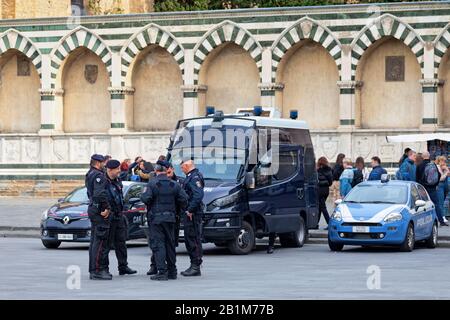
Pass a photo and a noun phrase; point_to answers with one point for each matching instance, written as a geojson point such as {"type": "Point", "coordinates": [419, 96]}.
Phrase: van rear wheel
{"type": "Point", "coordinates": [244, 242]}
{"type": "Point", "coordinates": [295, 239]}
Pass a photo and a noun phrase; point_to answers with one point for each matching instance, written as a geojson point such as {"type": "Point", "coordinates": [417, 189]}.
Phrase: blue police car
{"type": "Point", "coordinates": [395, 213]}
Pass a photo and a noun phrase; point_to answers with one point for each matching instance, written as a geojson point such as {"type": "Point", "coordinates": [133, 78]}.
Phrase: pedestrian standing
{"type": "Point", "coordinates": [193, 185]}
{"type": "Point", "coordinates": [442, 189]}
{"type": "Point", "coordinates": [377, 169]}
{"type": "Point", "coordinates": [117, 221]}
{"type": "Point", "coordinates": [325, 176]}
{"type": "Point", "coordinates": [346, 178]}
{"type": "Point", "coordinates": [337, 171]}
{"type": "Point", "coordinates": [163, 198]}
{"type": "Point", "coordinates": [428, 175]}
{"type": "Point", "coordinates": [98, 212]}
{"type": "Point", "coordinates": [360, 172]}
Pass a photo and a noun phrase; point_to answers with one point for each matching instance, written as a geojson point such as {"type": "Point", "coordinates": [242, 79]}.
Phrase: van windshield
{"type": "Point", "coordinates": [225, 164]}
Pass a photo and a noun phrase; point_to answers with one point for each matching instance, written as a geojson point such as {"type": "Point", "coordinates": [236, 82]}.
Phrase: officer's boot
{"type": "Point", "coordinates": [126, 270]}
{"type": "Point", "coordinates": [192, 271]}
{"type": "Point", "coordinates": [270, 249]}
{"type": "Point", "coordinates": [160, 276]}
{"type": "Point", "coordinates": [152, 270]}
{"type": "Point", "coordinates": [101, 275]}
{"type": "Point", "coordinates": [172, 274]}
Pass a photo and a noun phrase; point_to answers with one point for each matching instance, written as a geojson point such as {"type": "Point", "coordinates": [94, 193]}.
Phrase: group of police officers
{"type": "Point", "coordinates": [167, 198]}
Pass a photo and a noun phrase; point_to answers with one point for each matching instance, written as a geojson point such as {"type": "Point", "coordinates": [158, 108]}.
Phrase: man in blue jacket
{"type": "Point", "coordinates": [377, 169]}
{"type": "Point", "coordinates": [346, 178]}
{"type": "Point", "coordinates": [408, 168]}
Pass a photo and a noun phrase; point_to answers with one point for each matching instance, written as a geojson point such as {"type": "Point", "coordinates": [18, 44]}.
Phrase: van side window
{"type": "Point", "coordinates": [288, 165]}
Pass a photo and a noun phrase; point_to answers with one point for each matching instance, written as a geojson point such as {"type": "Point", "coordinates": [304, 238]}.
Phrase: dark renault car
{"type": "Point", "coordinates": [67, 221]}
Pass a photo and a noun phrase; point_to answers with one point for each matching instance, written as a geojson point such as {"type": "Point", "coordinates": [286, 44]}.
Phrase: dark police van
{"type": "Point", "coordinates": [260, 177]}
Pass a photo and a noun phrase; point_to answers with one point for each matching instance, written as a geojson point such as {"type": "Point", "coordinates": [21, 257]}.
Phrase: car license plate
{"type": "Point", "coordinates": [361, 229]}
{"type": "Point", "coordinates": [65, 236]}
{"type": "Point", "coordinates": [181, 233]}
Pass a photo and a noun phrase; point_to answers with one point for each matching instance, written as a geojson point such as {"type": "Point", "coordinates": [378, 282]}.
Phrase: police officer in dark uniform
{"type": "Point", "coordinates": [118, 225]}
{"type": "Point", "coordinates": [162, 197]}
{"type": "Point", "coordinates": [172, 176]}
{"type": "Point", "coordinates": [98, 212]}
{"type": "Point", "coordinates": [193, 185]}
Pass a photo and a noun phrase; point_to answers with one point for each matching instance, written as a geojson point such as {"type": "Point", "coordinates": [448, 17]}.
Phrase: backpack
{"type": "Point", "coordinates": [430, 175]}
{"type": "Point", "coordinates": [135, 177]}
{"type": "Point", "coordinates": [357, 177]}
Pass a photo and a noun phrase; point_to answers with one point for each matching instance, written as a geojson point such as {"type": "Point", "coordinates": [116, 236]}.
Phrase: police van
{"type": "Point", "coordinates": [260, 176]}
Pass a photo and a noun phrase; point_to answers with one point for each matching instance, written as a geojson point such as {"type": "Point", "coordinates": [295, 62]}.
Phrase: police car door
{"type": "Point", "coordinates": [427, 212]}
{"type": "Point", "coordinates": [278, 196]}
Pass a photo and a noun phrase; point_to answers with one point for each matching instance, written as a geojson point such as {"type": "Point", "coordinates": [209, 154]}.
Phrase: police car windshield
{"type": "Point", "coordinates": [223, 165]}
{"type": "Point", "coordinates": [79, 195]}
{"type": "Point", "coordinates": [378, 194]}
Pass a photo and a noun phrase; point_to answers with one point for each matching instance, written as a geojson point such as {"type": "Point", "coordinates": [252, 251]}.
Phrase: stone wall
{"type": "Point", "coordinates": [330, 63]}
{"type": "Point", "coordinates": [24, 9]}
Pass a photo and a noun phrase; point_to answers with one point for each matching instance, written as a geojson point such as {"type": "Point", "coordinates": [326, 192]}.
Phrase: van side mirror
{"type": "Point", "coordinates": [250, 181]}
{"type": "Point", "coordinates": [338, 202]}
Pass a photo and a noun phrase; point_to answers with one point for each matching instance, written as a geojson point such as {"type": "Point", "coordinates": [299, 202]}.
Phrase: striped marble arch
{"type": "Point", "coordinates": [305, 28]}
{"type": "Point", "coordinates": [79, 37]}
{"type": "Point", "coordinates": [386, 25]}
{"type": "Point", "coordinates": [150, 34]}
{"type": "Point", "coordinates": [226, 31]}
{"type": "Point", "coordinates": [12, 39]}
{"type": "Point", "coordinates": [441, 45]}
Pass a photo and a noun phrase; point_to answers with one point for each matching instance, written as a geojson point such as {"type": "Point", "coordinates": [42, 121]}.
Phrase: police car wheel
{"type": "Point", "coordinates": [295, 239]}
{"type": "Point", "coordinates": [334, 246]}
{"type": "Point", "coordinates": [433, 239]}
{"type": "Point", "coordinates": [244, 242]}
{"type": "Point", "coordinates": [409, 242]}
{"type": "Point", "coordinates": [51, 244]}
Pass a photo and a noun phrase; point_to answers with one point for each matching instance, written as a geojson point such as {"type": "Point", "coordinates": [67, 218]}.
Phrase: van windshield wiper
{"type": "Point", "coordinates": [351, 201]}
{"type": "Point", "coordinates": [378, 202]}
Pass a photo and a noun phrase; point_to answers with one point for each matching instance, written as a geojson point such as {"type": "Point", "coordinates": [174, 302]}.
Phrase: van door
{"type": "Point", "coordinates": [280, 196]}
{"type": "Point", "coordinates": [311, 188]}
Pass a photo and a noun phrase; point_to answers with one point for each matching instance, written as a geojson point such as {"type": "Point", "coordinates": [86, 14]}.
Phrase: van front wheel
{"type": "Point", "coordinates": [244, 242]}
{"type": "Point", "coordinates": [295, 239]}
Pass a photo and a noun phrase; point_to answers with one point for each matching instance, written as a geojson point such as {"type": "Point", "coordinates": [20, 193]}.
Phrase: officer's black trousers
{"type": "Point", "coordinates": [192, 239]}
{"type": "Point", "coordinates": [118, 240]}
{"type": "Point", "coordinates": [162, 243]}
{"type": "Point", "coordinates": [99, 245]}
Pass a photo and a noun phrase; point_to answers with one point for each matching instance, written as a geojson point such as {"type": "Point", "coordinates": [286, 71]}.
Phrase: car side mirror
{"type": "Point", "coordinates": [338, 202]}
{"type": "Point", "coordinates": [61, 200]}
{"type": "Point", "coordinates": [420, 204]}
{"type": "Point", "coordinates": [250, 181]}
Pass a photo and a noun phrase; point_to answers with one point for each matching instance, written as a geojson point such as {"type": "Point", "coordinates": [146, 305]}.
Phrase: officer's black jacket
{"type": "Point", "coordinates": [193, 185]}
{"type": "Point", "coordinates": [164, 195]}
{"type": "Point", "coordinates": [115, 194]}
{"type": "Point", "coordinates": [96, 189]}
